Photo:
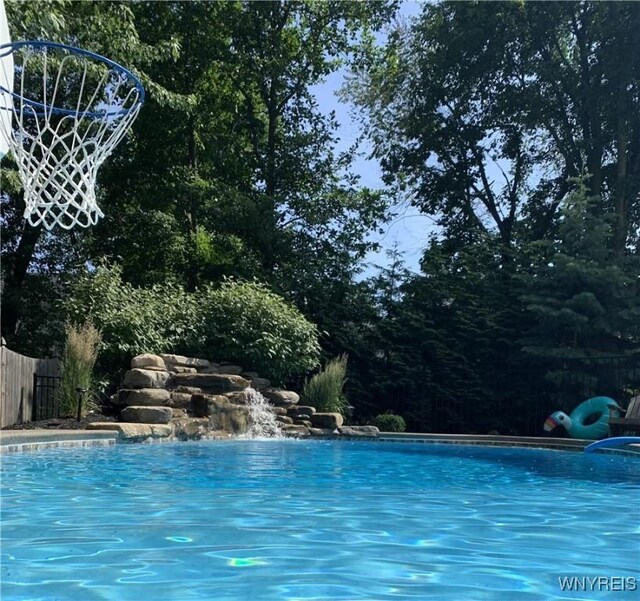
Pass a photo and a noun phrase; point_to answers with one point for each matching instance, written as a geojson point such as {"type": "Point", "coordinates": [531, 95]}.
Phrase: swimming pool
{"type": "Point", "coordinates": [335, 520]}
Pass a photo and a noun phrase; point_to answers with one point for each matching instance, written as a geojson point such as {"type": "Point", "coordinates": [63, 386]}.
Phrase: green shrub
{"type": "Point", "coordinates": [242, 322]}
{"type": "Point", "coordinates": [247, 323]}
{"type": "Point", "coordinates": [389, 422]}
{"type": "Point", "coordinates": [324, 390]}
{"type": "Point", "coordinates": [132, 320]}
{"type": "Point", "coordinates": [79, 356]}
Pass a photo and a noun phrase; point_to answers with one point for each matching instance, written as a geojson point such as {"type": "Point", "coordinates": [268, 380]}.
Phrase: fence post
{"type": "Point", "coordinates": [35, 406]}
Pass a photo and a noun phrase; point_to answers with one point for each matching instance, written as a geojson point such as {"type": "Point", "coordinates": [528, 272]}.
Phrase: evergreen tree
{"type": "Point", "coordinates": [583, 296]}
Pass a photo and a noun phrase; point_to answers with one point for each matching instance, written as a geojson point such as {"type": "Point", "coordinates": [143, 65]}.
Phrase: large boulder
{"type": "Point", "coordinates": [233, 370]}
{"type": "Point", "coordinates": [187, 389]}
{"type": "Point", "coordinates": [148, 397]}
{"type": "Point", "coordinates": [301, 409]}
{"type": "Point", "coordinates": [327, 420]}
{"type": "Point", "coordinates": [203, 405]}
{"type": "Point", "coordinates": [170, 359]}
{"type": "Point", "coordinates": [280, 398]}
{"type": "Point", "coordinates": [300, 417]}
{"type": "Point", "coordinates": [322, 432]}
{"type": "Point", "coordinates": [359, 431]}
{"type": "Point", "coordinates": [181, 369]}
{"type": "Point", "coordinates": [148, 360]}
{"type": "Point", "coordinates": [147, 415]}
{"type": "Point", "coordinates": [190, 428]}
{"type": "Point", "coordinates": [180, 400]}
{"type": "Point", "coordinates": [223, 414]}
{"type": "Point", "coordinates": [260, 383]}
{"type": "Point", "coordinates": [233, 419]}
{"type": "Point", "coordinates": [145, 378]}
{"type": "Point", "coordinates": [210, 383]}
{"type": "Point", "coordinates": [239, 398]}
{"type": "Point", "coordinates": [294, 431]}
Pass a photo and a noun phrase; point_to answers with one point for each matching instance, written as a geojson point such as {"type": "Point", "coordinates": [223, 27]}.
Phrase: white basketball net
{"type": "Point", "coordinates": [69, 112]}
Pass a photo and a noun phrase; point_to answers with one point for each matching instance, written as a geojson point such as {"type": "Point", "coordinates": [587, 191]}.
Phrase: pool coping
{"type": "Point", "coordinates": [564, 444]}
{"type": "Point", "coordinates": [12, 441]}
{"type": "Point", "coordinates": [16, 441]}
{"type": "Point", "coordinates": [559, 444]}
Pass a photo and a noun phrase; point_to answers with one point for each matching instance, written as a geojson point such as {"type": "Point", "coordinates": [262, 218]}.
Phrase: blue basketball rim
{"type": "Point", "coordinates": [6, 49]}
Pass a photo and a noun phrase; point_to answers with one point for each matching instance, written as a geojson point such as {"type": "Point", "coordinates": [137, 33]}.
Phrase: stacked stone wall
{"type": "Point", "coordinates": [171, 396]}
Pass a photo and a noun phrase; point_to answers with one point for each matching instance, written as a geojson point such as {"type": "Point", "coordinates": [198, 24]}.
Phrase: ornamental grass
{"type": "Point", "coordinates": [324, 390]}
{"type": "Point", "coordinates": [79, 356]}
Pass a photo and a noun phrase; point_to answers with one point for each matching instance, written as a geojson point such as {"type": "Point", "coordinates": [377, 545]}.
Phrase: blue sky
{"type": "Point", "coordinates": [408, 229]}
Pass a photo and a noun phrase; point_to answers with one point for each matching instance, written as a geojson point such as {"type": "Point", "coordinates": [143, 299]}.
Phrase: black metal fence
{"type": "Point", "coordinates": [517, 399]}
{"type": "Point", "coordinates": [507, 399]}
{"type": "Point", "coordinates": [16, 384]}
{"type": "Point", "coordinates": [45, 402]}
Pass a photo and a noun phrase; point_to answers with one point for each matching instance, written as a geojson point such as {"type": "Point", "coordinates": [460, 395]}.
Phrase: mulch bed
{"type": "Point", "coordinates": [63, 423]}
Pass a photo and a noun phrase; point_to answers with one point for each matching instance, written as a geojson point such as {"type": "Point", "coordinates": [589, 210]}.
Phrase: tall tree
{"type": "Point", "coordinates": [231, 168]}
{"type": "Point", "coordinates": [484, 111]}
{"type": "Point", "coordinates": [249, 167]}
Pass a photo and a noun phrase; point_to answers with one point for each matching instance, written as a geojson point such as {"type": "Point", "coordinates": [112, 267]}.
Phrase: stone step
{"type": "Point", "coordinates": [146, 415]}
{"type": "Point", "coordinates": [181, 400]}
{"type": "Point", "coordinates": [146, 397]}
{"type": "Point", "coordinates": [284, 419]}
{"type": "Point", "coordinates": [294, 431]}
{"type": "Point", "coordinates": [184, 361]}
{"type": "Point", "coordinates": [280, 398]}
{"type": "Point", "coordinates": [327, 420]}
{"type": "Point", "coordinates": [181, 369]}
{"type": "Point", "coordinates": [147, 360]}
{"type": "Point", "coordinates": [359, 431]}
{"type": "Point", "coordinates": [145, 378]}
{"type": "Point", "coordinates": [301, 409]}
{"type": "Point", "coordinates": [323, 432]}
{"type": "Point", "coordinates": [210, 383]}
{"type": "Point", "coordinates": [134, 432]}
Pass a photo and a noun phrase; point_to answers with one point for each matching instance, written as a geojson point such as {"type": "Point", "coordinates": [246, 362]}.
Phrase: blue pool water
{"type": "Point", "coordinates": [294, 520]}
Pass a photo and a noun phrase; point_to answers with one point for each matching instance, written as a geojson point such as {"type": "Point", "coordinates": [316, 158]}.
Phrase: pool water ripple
{"type": "Point", "coordinates": [324, 521]}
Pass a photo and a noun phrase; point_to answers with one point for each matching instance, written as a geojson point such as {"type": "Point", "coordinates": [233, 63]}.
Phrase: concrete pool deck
{"type": "Point", "coordinates": [12, 441]}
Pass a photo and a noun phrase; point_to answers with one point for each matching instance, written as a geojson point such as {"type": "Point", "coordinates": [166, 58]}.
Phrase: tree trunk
{"type": "Point", "coordinates": [620, 232]}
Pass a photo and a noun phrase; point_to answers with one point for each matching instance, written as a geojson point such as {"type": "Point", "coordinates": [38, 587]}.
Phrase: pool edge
{"type": "Point", "coordinates": [489, 440]}
{"type": "Point", "coordinates": [17, 441]}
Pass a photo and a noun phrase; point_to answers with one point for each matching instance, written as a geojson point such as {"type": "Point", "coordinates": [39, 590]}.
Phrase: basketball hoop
{"type": "Point", "coordinates": [71, 107]}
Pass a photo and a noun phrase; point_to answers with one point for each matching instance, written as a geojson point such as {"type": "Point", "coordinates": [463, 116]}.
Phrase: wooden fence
{"type": "Point", "coordinates": [16, 384]}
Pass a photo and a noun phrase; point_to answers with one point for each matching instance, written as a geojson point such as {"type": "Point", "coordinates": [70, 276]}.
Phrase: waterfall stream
{"type": "Point", "coordinates": [262, 421]}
